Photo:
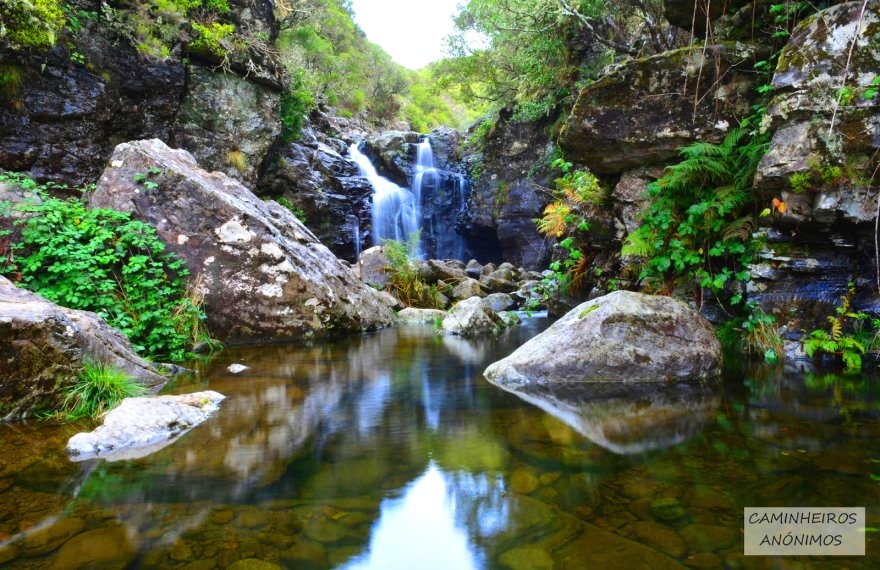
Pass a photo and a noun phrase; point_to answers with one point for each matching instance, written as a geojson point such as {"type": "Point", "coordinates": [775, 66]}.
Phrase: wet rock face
{"type": "Point", "coordinates": [65, 120]}
{"type": "Point", "coordinates": [228, 123]}
{"type": "Point", "coordinates": [66, 117]}
{"type": "Point", "coordinates": [509, 194]}
{"type": "Point", "coordinates": [43, 348]}
{"type": "Point", "coordinates": [825, 238]}
{"type": "Point", "coordinates": [621, 337]}
{"type": "Point", "coordinates": [266, 275]}
{"type": "Point", "coordinates": [642, 112]}
{"type": "Point", "coordinates": [314, 175]}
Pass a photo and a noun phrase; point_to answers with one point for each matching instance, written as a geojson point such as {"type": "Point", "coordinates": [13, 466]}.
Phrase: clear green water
{"type": "Point", "coordinates": [390, 451]}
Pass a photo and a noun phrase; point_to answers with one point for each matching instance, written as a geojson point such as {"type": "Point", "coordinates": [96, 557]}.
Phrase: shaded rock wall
{"type": "Point", "coordinates": [94, 90]}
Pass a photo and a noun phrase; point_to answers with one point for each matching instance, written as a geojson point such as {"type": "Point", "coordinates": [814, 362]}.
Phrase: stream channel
{"type": "Point", "coordinates": [391, 451]}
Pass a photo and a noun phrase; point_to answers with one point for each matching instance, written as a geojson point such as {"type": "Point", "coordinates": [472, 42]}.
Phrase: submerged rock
{"type": "Point", "coordinates": [43, 347]}
{"type": "Point", "coordinates": [621, 337]}
{"type": "Point", "coordinates": [265, 274]}
{"type": "Point", "coordinates": [140, 426]}
{"type": "Point", "coordinates": [472, 317]}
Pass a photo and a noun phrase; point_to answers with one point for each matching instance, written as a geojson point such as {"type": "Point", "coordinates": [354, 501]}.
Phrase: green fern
{"type": "Point", "coordinates": [697, 229]}
{"type": "Point", "coordinates": [847, 346]}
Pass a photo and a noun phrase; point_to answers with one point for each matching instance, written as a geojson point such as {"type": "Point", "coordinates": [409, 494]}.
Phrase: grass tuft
{"type": "Point", "coordinates": [98, 389]}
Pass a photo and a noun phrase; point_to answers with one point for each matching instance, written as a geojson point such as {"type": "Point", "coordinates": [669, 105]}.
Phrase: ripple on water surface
{"type": "Point", "coordinates": [391, 451]}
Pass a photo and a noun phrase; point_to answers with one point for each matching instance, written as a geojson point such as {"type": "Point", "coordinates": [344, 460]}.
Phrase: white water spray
{"type": "Point", "coordinates": [396, 212]}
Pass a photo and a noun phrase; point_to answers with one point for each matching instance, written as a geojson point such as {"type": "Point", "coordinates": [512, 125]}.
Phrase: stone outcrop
{"type": "Point", "coordinates": [227, 122]}
{"type": "Point", "coordinates": [642, 112]}
{"type": "Point", "coordinates": [472, 317]}
{"type": "Point", "coordinates": [824, 175]}
{"type": "Point", "coordinates": [140, 426]}
{"type": "Point", "coordinates": [43, 347]}
{"type": "Point", "coordinates": [692, 14]}
{"type": "Point", "coordinates": [314, 175]}
{"type": "Point", "coordinates": [265, 275]}
{"type": "Point", "coordinates": [510, 192]}
{"type": "Point", "coordinates": [69, 107]}
{"type": "Point", "coordinates": [621, 337]}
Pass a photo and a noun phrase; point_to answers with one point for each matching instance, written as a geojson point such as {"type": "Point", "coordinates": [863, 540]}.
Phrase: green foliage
{"type": "Point", "coordinates": [848, 346]}
{"type": "Point", "coordinates": [534, 54]}
{"type": "Point", "coordinates": [296, 103]}
{"type": "Point", "coordinates": [103, 261]}
{"type": "Point", "coordinates": [212, 39]}
{"type": "Point", "coordinates": [98, 389]}
{"type": "Point", "coordinates": [698, 228]}
{"type": "Point", "coordinates": [30, 24]}
{"type": "Point", "coordinates": [566, 219]}
{"type": "Point", "coordinates": [404, 281]}
{"type": "Point", "coordinates": [757, 333]}
{"type": "Point", "coordinates": [296, 211]}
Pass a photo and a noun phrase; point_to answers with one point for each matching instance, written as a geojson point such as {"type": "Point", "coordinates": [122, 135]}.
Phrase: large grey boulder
{"type": "Point", "coordinates": [473, 317]}
{"type": "Point", "coordinates": [140, 426]}
{"type": "Point", "coordinates": [265, 274]}
{"type": "Point", "coordinates": [373, 266]}
{"type": "Point", "coordinates": [43, 347]}
{"type": "Point", "coordinates": [640, 113]}
{"type": "Point", "coordinates": [466, 289]}
{"type": "Point", "coordinates": [413, 315]}
{"type": "Point", "coordinates": [621, 337]}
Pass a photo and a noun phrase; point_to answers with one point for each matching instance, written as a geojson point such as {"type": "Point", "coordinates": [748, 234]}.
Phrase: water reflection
{"type": "Point", "coordinates": [421, 529]}
{"type": "Point", "coordinates": [390, 450]}
{"type": "Point", "coordinates": [629, 418]}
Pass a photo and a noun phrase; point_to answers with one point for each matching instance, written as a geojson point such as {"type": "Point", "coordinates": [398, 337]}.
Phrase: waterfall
{"type": "Point", "coordinates": [433, 204]}
{"type": "Point", "coordinates": [396, 211]}
{"type": "Point", "coordinates": [424, 170]}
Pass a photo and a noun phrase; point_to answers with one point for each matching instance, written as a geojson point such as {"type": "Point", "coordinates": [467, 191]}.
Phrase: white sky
{"type": "Point", "coordinates": [411, 31]}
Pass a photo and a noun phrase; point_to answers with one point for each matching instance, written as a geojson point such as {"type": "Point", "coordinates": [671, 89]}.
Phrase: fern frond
{"type": "Point", "coordinates": [638, 243]}
{"type": "Point", "coordinates": [553, 221]}
{"type": "Point", "coordinates": [852, 361]}
{"type": "Point", "coordinates": [741, 229]}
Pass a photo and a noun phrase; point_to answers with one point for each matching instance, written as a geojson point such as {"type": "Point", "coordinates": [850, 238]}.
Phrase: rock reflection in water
{"type": "Point", "coordinates": [629, 418]}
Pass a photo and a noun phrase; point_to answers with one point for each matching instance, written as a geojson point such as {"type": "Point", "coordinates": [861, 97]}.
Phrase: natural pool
{"type": "Point", "coordinates": [390, 451]}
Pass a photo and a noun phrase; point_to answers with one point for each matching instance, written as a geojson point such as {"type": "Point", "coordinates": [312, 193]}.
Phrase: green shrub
{"type": "Point", "coordinates": [30, 23]}
{"type": "Point", "coordinates": [295, 106]}
{"type": "Point", "coordinates": [848, 346]}
{"type": "Point", "coordinates": [565, 219]}
{"type": "Point", "coordinates": [697, 230]}
{"type": "Point", "coordinates": [103, 261]}
{"type": "Point", "coordinates": [98, 389]}
{"type": "Point", "coordinates": [212, 39]}
{"type": "Point", "coordinates": [404, 281]}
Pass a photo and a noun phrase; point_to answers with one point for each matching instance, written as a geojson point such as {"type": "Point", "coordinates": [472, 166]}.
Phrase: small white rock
{"type": "Point", "coordinates": [236, 368]}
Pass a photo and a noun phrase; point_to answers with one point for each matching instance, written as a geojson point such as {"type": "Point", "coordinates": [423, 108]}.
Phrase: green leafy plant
{"type": "Point", "coordinates": [566, 219]}
{"type": "Point", "coordinates": [103, 261]}
{"type": "Point", "coordinates": [698, 228]}
{"type": "Point", "coordinates": [98, 389]}
{"type": "Point", "coordinates": [296, 211]}
{"type": "Point", "coordinates": [404, 281]}
{"type": "Point", "coordinates": [848, 346]}
{"type": "Point", "coordinates": [757, 333]}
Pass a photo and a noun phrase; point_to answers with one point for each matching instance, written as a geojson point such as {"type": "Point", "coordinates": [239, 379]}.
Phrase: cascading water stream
{"type": "Point", "coordinates": [396, 212]}
{"type": "Point", "coordinates": [431, 206]}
